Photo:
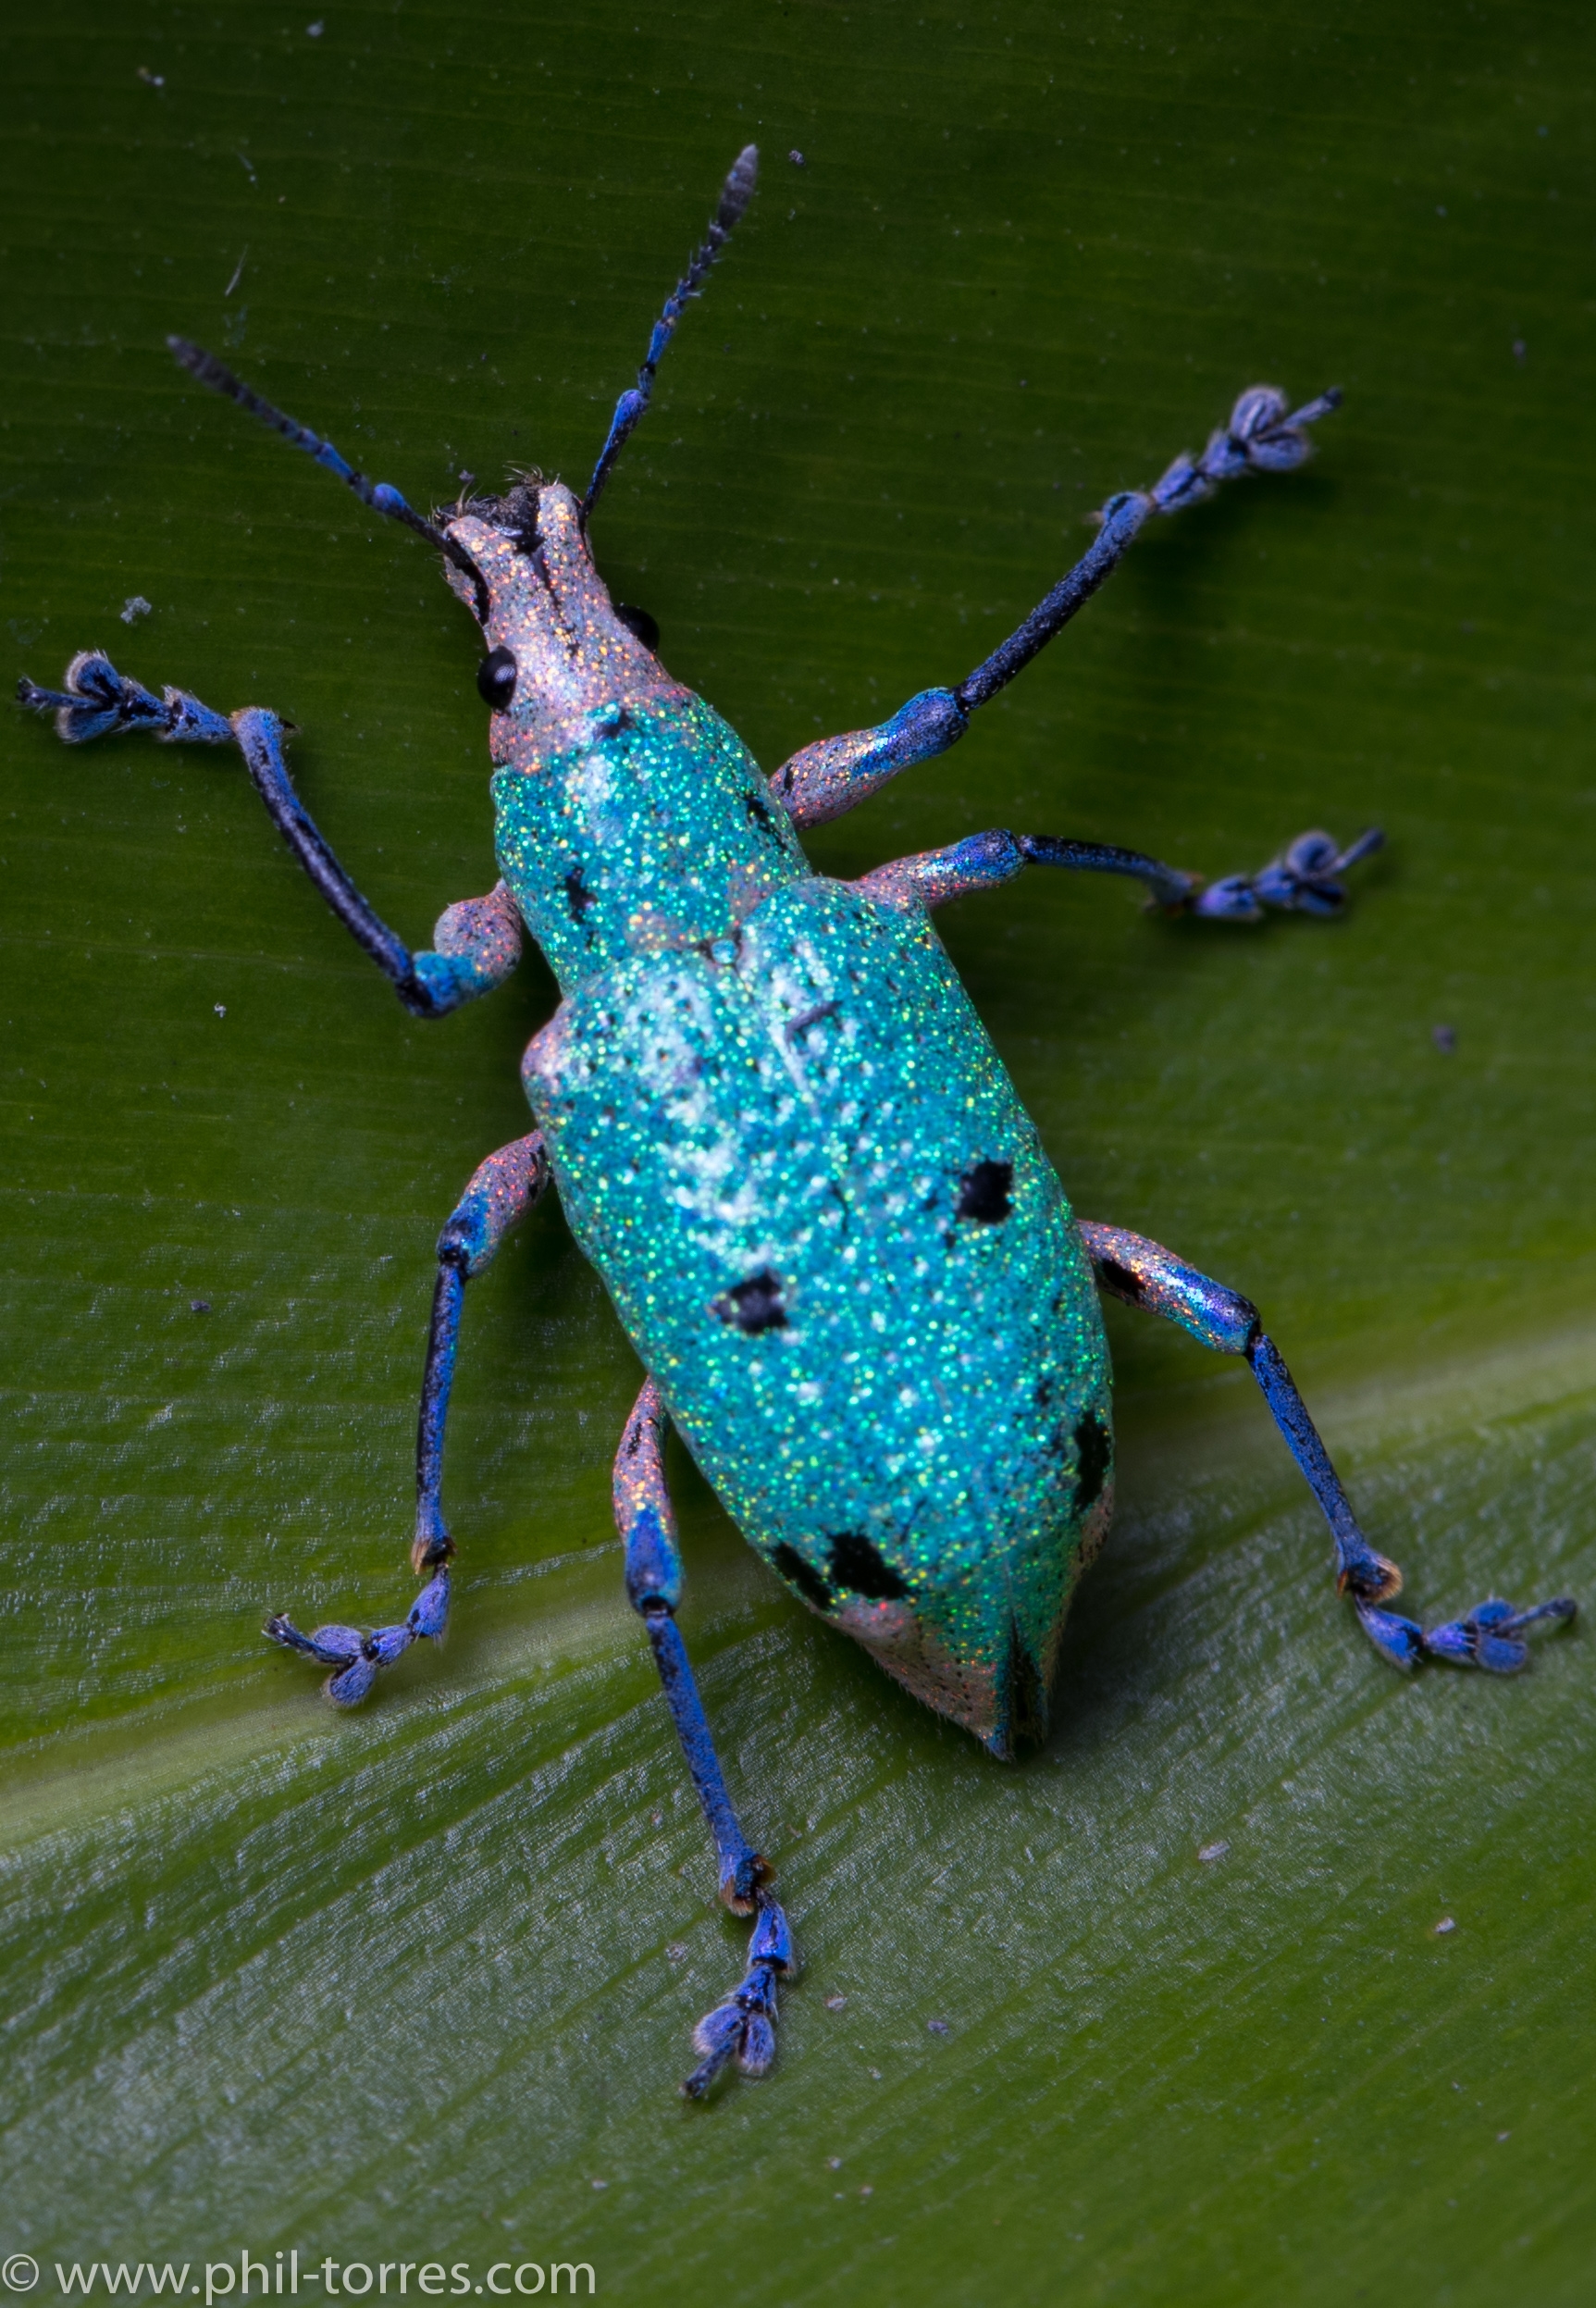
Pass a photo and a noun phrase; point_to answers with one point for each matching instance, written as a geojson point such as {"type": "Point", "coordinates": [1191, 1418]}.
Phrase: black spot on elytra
{"type": "Point", "coordinates": [984, 1192]}
{"type": "Point", "coordinates": [1093, 1456]}
{"type": "Point", "coordinates": [639, 622]}
{"type": "Point", "coordinates": [802, 1575]}
{"type": "Point", "coordinates": [1120, 1279]}
{"type": "Point", "coordinates": [855, 1564]}
{"type": "Point", "coordinates": [578, 896]}
{"type": "Point", "coordinates": [755, 1305]}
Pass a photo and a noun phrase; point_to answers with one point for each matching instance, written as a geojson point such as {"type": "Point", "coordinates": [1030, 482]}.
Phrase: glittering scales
{"type": "Point", "coordinates": [783, 1135]}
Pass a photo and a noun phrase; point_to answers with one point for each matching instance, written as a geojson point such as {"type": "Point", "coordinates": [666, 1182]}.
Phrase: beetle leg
{"type": "Point", "coordinates": [743, 2026]}
{"type": "Point", "coordinates": [823, 780]}
{"type": "Point", "coordinates": [502, 1191]}
{"type": "Point", "coordinates": [1144, 1275]}
{"type": "Point", "coordinates": [477, 941]}
{"type": "Point", "coordinates": [1303, 880]}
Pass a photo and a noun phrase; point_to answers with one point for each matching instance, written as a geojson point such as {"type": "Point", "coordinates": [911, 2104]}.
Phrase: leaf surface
{"type": "Point", "coordinates": [419, 1983]}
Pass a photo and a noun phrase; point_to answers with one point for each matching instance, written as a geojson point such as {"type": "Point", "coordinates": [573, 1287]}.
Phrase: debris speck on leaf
{"type": "Point", "coordinates": [135, 607]}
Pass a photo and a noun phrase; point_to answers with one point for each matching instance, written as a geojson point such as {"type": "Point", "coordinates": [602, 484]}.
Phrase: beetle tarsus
{"type": "Point", "coordinates": [1264, 435]}
{"type": "Point", "coordinates": [743, 2028]}
{"type": "Point", "coordinates": [1305, 879]}
{"type": "Point", "coordinates": [1487, 1637]}
{"type": "Point", "coordinates": [355, 1658]}
{"type": "Point", "coordinates": [97, 699]}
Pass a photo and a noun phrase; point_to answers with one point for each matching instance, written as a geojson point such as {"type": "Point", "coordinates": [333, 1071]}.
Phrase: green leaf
{"type": "Point", "coordinates": [419, 1984]}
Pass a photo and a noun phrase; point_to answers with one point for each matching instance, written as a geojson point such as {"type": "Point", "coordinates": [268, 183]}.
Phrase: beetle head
{"type": "Point", "coordinates": [558, 654]}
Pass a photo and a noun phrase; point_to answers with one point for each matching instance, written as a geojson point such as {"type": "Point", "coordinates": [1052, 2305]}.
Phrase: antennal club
{"type": "Point", "coordinates": [735, 194]}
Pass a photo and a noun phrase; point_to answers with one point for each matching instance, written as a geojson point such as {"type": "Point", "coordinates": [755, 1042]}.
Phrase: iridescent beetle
{"type": "Point", "coordinates": [782, 1134]}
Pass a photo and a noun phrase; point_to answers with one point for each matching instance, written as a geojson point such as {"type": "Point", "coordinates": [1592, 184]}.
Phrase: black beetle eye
{"type": "Point", "coordinates": [496, 677]}
{"type": "Point", "coordinates": [638, 621]}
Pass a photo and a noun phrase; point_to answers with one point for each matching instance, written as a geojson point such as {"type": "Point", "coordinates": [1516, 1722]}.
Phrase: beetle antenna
{"type": "Point", "coordinates": [735, 194]}
{"type": "Point", "coordinates": [381, 495]}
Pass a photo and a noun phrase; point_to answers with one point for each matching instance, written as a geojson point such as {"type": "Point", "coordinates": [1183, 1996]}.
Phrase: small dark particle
{"type": "Point", "coordinates": [1094, 1453]}
{"type": "Point", "coordinates": [802, 1575]}
{"type": "Point", "coordinates": [855, 1563]}
{"type": "Point", "coordinates": [798, 160]}
{"type": "Point", "coordinates": [984, 1192]}
{"type": "Point", "coordinates": [675, 1953]}
{"type": "Point", "coordinates": [578, 896]}
{"type": "Point", "coordinates": [1120, 1279]}
{"type": "Point", "coordinates": [638, 621]}
{"type": "Point", "coordinates": [198, 1306]}
{"type": "Point", "coordinates": [496, 677]}
{"type": "Point", "coordinates": [755, 1305]}
{"type": "Point", "coordinates": [1445, 1038]}
{"type": "Point", "coordinates": [937, 2028]}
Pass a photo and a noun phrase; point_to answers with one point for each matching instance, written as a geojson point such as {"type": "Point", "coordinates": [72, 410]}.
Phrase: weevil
{"type": "Point", "coordinates": [781, 1133]}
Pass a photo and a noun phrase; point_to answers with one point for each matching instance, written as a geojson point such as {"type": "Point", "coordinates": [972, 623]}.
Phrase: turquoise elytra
{"type": "Point", "coordinates": [765, 1095]}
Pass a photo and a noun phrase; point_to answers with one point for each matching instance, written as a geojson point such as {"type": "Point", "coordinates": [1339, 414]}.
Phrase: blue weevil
{"type": "Point", "coordinates": [782, 1134]}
